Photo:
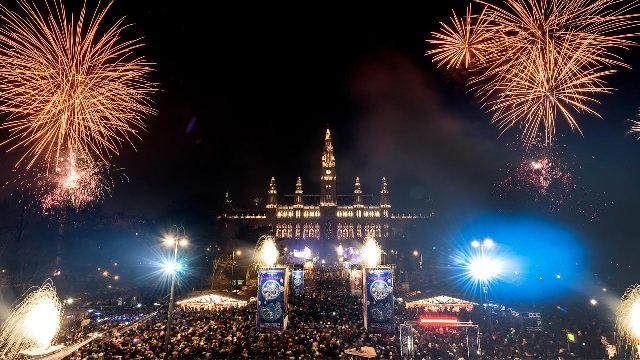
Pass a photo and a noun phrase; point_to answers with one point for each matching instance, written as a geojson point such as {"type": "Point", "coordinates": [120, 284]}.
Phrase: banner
{"type": "Point", "coordinates": [298, 282]}
{"type": "Point", "coordinates": [356, 282]}
{"type": "Point", "coordinates": [378, 300]}
{"type": "Point", "coordinates": [272, 299]}
{"type": "Point", "coordinates": [532, 321]}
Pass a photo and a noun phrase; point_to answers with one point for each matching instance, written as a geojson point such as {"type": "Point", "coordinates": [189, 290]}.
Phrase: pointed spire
{"type": "Point", "coordinates": [273, 194]}
{"type": "Point", "coordinates": [384, 194]}
{"type": "Point", "coordinates": [357, 193]}
{"type": "Point", "coordinates": [227, 201]}
{"type": "Point", "coordinates": [328, 176]}
{"type": "Point", "coordinates": [328, 160]}
{"type": "Point", "coordinates": [298, 194]}
{"type": "Point", "coordinates": [299, 184]}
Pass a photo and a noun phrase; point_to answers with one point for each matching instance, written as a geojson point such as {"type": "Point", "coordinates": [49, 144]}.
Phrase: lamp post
{"type": "Point", "coordinates": [172, 268]}
{"type": "Point", "coordinates": [233, 263]}
{"type": "Point", "coordinates": [416, 253]}
{"type": "Point", "coordinates": [483, 270]}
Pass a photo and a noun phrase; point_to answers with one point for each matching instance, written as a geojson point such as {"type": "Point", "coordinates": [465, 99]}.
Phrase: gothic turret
{"type": "Point", "coordinates": [385, 205]}
{"type": "Point", "coordinates": [272, 201]}
{"type": "Point", "coordinates": [298, 195]}
{"type": "Point", "coordinates": [328, 178]}
{"type": "Point", "coordinates": [357, 194]}
{"type": "Point", "coordinates": [227, 202]}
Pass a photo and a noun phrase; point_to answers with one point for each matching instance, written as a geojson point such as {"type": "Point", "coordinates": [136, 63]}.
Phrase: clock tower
{"type": "Point", "coordinates": [328, 177]}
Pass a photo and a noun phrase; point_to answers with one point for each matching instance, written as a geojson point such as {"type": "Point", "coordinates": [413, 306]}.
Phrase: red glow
{"type": "Point", "coordinates": [438, 321]}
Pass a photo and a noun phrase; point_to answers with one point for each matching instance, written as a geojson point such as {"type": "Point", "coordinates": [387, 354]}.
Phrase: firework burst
{"type": "Point", "coordinates": [371, 251]}
{"type": "Point", "coordinates": [75, 183]}
{"type": "Point", "coordinates": [546, 175]}
{"type": "Point", "coordinates": [533, 62]}
{"type": "Point", "coordinates": [628, 316]}
{"type": "Point", "coordinates": [266, 253]}
{"type": "Point", "coordinates": [66, 85]}
{"type": "Point", "coordinates": [541, 174]}
{"type": "Point", "coordinates": [33, 323]}
{"type": "Point", "coordinates": [462, 42]}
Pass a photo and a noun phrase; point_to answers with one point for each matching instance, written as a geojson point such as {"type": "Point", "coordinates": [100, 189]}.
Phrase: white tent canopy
{"type": "Point", "coordinates": [204, 301]}
{"type": "Point", "coordinates": [441, 303]}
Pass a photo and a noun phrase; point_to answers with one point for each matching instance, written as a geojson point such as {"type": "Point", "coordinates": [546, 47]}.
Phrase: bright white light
{"type": "Point", "coordinates": [488, 243]}
{"type": "Point", "coordinates": [371, 252]}
{"type": "Point", "coordinates": [484, 268]}
{"type": "Point", "coordinates": [69, 301]}
{"type": "Point", "coordinates": [593, 302]}
{"type": "Point", "coordinates": [184, 242]}
{"type": "Point", "coordinates": [42, 321]}
{"type": "Point", "coordinates": [306, 253]}
{"type": "Point", "coordinates": [475, 243]}
{"type": "Point", "coordinates": [169, 241]}
{"type": "Point", "coordinates": [171, 267]}
{"type": "Point", "coordinates": [268, 252]}
{"type": "Point", "coordinates": [340, 250]}
{"type": "Point", "coordinates": [634, 318]}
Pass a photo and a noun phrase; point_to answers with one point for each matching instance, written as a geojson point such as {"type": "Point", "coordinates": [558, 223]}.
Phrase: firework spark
{"type": "Point", "coordinates": [635, 128]}
{"type": "Point", "coordinates": [542, 174]}
{"type": "Point", "coordinates": [75, 183]}
{"type": "Point", "coordinates": [371, 251]}
{"type": "Point", "coordinates": [550, 176]}
{"type": "Point", "coordinates": [463, 42]}
{"type": "Point", "coordinates": [266, 253]}
{"type": "Point", "coordinates": [66, 85]}
{"type": "Point", "coordinates": [536, 61]}
{"type": "Point", "coordinates": [33, 323]}
{"type": "Point", "coordinates": [628, 316]}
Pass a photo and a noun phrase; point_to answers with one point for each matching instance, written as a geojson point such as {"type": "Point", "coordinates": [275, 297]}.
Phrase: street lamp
{"type": "Point", "coordinates": [233, 262]}
{"type": "Point", "coordinates": [483, 269]}
{"type": "Point", "coordinates": [171, 268]}
{"type": "Point", "coordinates": [416, 253]}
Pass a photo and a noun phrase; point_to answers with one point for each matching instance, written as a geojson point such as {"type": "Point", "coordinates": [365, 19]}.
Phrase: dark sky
{"type": "Point", "coordinates": [247, 91]}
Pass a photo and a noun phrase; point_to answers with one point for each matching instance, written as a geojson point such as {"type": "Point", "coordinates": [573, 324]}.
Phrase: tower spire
{"type": "Point", "coordinates": [227, 201]}
{"type": "Point", "coordinates": [328, 160]}
{"type": "Point", "coordinates": [328, 177]}
{"type": "Point", "coordinates": [298, 195]}
{"type": "Point", "coordinates": [385, 205]}
{"type": "Point", "coordinates": [357, 193]}
{"type": "Point", "coordinates": [272, 201]}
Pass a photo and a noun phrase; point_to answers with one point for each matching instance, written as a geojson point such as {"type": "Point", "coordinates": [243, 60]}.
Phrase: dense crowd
{"type": "Point", "coordinates": [325, 322]}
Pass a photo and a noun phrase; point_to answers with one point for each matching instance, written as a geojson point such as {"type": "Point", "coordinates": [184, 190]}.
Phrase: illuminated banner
{"type": "Point", "coordinates": [378, 300]}
{"type": "Point", "coordinates": [356, 282]}
{"type": "Point", "coordinates": [272, 299]}
{"type": "Point", "coordinates": [298, 282]}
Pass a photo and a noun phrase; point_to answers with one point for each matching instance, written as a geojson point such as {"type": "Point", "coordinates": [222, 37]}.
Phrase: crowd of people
{"type": "Point", "coordinates": [327, 321]}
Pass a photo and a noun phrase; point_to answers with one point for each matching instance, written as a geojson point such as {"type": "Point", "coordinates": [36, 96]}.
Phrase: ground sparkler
{"type": "Point", "coordinates": [33, 323]}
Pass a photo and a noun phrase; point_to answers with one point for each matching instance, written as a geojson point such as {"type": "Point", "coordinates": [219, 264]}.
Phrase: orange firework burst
{"type": "Point", "coordinates": [463, 42]}
{"type": "Point", "coordinates": [539, 60]}
{"type": "Point", "coordinates": [67, 85]}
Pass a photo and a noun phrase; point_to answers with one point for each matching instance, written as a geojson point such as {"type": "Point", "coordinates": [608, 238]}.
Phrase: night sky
{"type": "Point", "coordinates": [247, 91]}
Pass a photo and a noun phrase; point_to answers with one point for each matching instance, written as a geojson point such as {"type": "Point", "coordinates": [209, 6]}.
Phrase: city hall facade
{"type": "Point", "coordinates": [322, 221]}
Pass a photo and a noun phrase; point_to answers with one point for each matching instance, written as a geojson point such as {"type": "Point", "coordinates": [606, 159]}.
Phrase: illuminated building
{"type": "Point", "coordinates": [323, 219]}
